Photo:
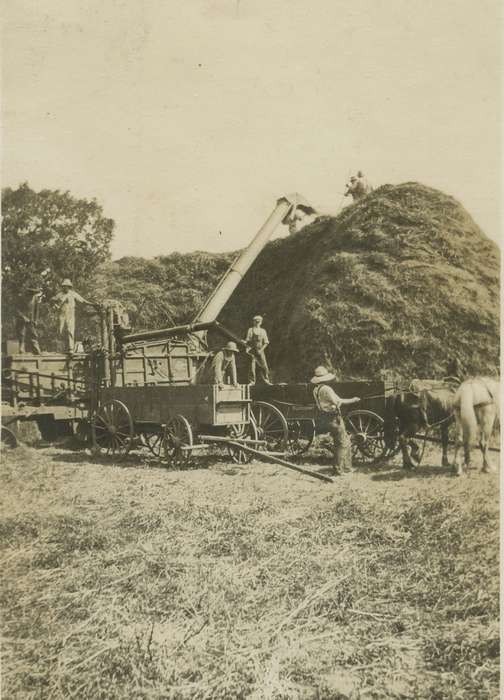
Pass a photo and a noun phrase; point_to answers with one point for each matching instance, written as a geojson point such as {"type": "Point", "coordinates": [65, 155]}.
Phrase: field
{"type": "Point", "coordinates": [224, 581]}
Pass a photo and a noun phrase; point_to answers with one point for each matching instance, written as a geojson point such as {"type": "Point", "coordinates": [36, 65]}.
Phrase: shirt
{"type": "Point", "coordinates": [29, 308]}
{"type": "Point", "coordinates": [327, 399]}
{"type": "Point", "coordinates": [216, 370]}
{"type": "Point", "coordinates": [67, 301]}
{"type": "Point", "coordinates": [257, 338]}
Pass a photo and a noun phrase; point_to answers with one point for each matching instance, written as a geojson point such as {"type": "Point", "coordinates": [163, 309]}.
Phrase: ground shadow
{"type": "Point", "coordinates": [422, 472]}
{"type": "Point", "coordinates": [144, 460]}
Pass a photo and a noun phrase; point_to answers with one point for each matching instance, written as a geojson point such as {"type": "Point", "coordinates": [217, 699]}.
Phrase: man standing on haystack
{"type": "Point", "coordinates": [365, 187]}
{"type": "Point", "coordinates": [329, 405]}
{"type": "Point", "coordinates": [355, 188]}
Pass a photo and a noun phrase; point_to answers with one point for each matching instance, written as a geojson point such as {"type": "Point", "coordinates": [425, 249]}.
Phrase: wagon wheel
{"type": "Point", "coordinates": [154, 441]}
{"type": "Point", "coordinates": [112, 428]}
{"type": "Point", "coordinates": [178, 441]}
{"type": "Point", "coordinates": [9, 440]}
{"type": "Point", "coordinates": [241, 431]}
{"type": "Point", "coordinates": [271, 426]}
{"type": "Point", "coordinates": [366, 435]}
{"type": "Point", "coordinates": [301, 434]}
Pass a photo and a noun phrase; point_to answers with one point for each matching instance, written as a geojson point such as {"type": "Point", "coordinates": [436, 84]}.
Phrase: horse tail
{"type": "Point", "coordinates": [467, 415]}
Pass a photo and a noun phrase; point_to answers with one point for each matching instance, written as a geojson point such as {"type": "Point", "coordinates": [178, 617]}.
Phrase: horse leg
{"type": "Point", "coordinates": [467, 454]}
{"type": "Point", "coordinates": [406, 461]}
{"type": "Point", "coordinates": [405, 441]}
{"type": "Point", "coordinates": [457, 466]}
{"type": "Point", "coordinates": [486, 420]}
{"type": "Point", "coordinates": [444, 444]}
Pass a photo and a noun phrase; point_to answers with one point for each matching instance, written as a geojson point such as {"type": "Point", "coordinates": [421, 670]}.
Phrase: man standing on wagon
{"type": "Point", "coordinates": [65, 301]}
{"type": "Point", "coordinates": [329, 403]}
{"type": "Point", "coordinates": [27, 319]}
{"type": "Point", "coordinates": [257, 341]}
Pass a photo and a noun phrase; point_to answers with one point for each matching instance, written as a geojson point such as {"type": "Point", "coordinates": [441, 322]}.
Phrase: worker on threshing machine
{"type": "Point", "coordinates": [27, 319]}
{"type": "Point", "coordinates": [257, 341]}
{"type": "Point", "coordinates": [329, 405]}
{"type": "Point", "coordinates": [65, 301]}
{"type": "Point", "coordinates": [219, 368]}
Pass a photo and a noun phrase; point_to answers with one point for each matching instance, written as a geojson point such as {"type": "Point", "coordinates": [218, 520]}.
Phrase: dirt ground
{"type": "Point", "coordinates": [126, 579]}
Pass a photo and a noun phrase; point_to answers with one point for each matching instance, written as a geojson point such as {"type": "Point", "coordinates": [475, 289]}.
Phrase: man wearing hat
{"type": "Point", "coordinates": [219, 368]}
{"type": "Point", "coordinates": [223, 366]}
{"type": "Point", "coordinates": [27, 319]}
{"type": "Point", "coordinates": [365, 186]}
{"type": "Point", "coordinates": [329, 403]}
{"type": "Point", "coordinates": [65, 301]}
{"type": "Point", "coordinates": [257, 341]}
{"type": "Point", "coordinates": [355, 188]}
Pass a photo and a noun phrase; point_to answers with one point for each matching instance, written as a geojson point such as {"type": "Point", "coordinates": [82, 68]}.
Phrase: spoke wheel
{"type": "Point", "coordinates": [366, 434]}
{"type": "Point", "coordinates": [271, 426]}
{"type": "Point", "coordinates": [301, 434]}
{"type": "Point", "coordinates": [241, 431]}
{"type": "Point", "coordinates": [9, 440]}
{"type": "Point", "coordinates": [154, 441]}
{"type": "Point", "coordinates": [112, 428]}
{"type": "Point", "coordinates": [178, 441]}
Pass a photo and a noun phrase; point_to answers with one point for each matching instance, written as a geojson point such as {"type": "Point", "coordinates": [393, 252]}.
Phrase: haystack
{"type": "Point", "coordinates": [396, 285]}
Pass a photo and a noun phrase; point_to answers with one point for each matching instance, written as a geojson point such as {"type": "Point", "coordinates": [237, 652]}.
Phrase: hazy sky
{"type": "Point", "coordinates": [187, 119]}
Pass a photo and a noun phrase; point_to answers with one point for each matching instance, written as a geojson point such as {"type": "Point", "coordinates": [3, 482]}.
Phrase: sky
{"type": "Point", "coordinates": [188, 119]}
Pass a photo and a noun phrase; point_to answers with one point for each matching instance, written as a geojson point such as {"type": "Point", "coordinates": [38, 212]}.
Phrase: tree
{"type": "Point", "coordinates": [47, 236]}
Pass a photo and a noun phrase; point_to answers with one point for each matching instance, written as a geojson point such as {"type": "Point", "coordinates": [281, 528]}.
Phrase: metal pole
{"type": "Point", "coordinates": [236, 272]}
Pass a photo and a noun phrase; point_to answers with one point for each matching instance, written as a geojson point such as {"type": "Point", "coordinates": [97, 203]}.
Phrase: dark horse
{"type": "Point", "coordinates": [423, 406]}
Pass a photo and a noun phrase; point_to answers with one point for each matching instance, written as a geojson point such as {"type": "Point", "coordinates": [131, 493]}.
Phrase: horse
{"type": "Point", "coordinates": [476, 406]}
{"type": "Point", "coordinates": [423, 406]}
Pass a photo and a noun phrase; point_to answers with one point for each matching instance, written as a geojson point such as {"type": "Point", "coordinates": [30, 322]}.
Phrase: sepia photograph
{"type": "Point", "coordinates": [250, 318]}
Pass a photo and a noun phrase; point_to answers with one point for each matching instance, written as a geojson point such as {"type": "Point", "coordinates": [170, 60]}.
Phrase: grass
{"type": "Point", "coordinates": [251, 582]}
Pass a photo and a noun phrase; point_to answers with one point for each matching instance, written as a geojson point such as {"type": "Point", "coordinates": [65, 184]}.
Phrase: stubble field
{"type": "Point", "coordinates": [223, 581]}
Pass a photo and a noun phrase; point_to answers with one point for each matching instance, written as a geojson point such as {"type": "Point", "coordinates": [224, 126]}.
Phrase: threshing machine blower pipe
{"type": "Point", "coordinates": [219, 297]}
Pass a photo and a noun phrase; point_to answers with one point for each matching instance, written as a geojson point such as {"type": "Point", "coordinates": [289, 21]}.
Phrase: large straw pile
{"type": "Point", "coordinates": [398, 283]}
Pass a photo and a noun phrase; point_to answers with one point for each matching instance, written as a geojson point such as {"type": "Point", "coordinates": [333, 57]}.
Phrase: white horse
{"type": "Point", "coordinates": [476, 407]}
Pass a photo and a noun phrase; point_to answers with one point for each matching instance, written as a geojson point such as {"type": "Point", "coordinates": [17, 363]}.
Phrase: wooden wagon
{"type": "Point", "coordinates": [286, 416]}
{"type": "Point", "coordinates": [53, 389]}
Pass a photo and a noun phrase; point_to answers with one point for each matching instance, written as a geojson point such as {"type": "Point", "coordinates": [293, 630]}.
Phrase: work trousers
{"type": "Point", "coordinates": [342, 448]}
{"type": "Point", "coordinates": [258, 365]}
{"type": "Point", "coordinates": [67, 333]}
{"type": "Point", "coordinates": [27, 336]}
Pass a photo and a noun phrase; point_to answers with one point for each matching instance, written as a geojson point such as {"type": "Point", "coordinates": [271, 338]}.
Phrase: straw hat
{"type": "Point", "coordinates": [66, 283]}
{"type": "Point", "coordinates": [257, 318]}
{"type": "Point", "coordinates": [322, 375]}
{"type": "Point", "coordinates": [231, 347]}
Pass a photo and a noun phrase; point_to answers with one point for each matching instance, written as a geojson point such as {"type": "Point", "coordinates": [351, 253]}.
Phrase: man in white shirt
{"type": "Point", "coordinates": [365, 186]}
{"type": "Point", "coordinates": [328, 403]}
{"type": "Point", "coordinates": [257, 341]}
{"type": "Point", "coordinates": [65, 301]}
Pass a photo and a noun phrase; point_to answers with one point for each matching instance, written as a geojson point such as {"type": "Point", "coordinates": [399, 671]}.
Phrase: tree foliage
{"type": "Point", "coordinates": [165, 291]}
{"type": "Point", "coordinates": [47, 236]}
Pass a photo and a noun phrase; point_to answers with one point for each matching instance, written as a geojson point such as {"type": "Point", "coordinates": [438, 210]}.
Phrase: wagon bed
{"type": "Point", "coordinates": [290, 413]}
